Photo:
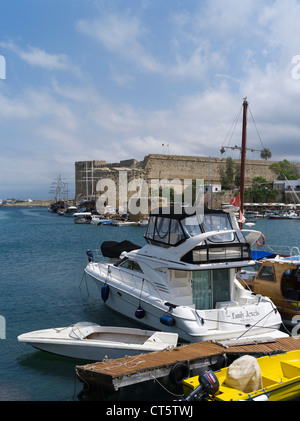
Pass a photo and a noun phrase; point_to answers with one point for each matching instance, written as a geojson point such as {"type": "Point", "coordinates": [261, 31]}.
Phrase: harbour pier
{"type": "Point", "coordinates": [109, 376]}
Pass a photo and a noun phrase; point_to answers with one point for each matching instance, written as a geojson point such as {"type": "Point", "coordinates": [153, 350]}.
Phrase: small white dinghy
{"type": "Point", "coordinates": [89, 341]}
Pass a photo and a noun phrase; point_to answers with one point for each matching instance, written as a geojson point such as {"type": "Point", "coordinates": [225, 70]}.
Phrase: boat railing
{"type": "Point", "coordinates": [139, 282]}
{"type": "Point", "coordinates": [296, 256]}
{"type": "Point", "coordinates": [136, 280]}
{"type": "Point", "coordinates": [278, 249]}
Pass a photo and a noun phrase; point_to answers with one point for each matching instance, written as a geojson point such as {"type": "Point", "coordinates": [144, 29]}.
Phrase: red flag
{"type": "Point", "coordinates": [236, 201]}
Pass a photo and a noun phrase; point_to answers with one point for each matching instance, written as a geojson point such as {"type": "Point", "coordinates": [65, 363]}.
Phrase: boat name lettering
{"type": "Point", "coordinates": [245, 314]}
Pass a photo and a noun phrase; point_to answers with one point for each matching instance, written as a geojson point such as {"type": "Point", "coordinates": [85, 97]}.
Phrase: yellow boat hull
{"type": "Point", "coordinates": [280, 380]}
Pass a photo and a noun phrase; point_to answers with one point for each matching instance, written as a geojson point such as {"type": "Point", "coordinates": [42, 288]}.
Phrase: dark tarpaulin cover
{"type": "Point", "coordinates": [113, 249]}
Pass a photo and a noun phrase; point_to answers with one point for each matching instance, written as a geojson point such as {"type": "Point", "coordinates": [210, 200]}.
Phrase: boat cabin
{"type": "Point", "coordinates": [172, 229]}
{"type": "Point", "coordinates": [277, 279]}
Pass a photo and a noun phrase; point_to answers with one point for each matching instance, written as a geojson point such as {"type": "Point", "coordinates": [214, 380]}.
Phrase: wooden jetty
{"type": "Point", "coordinates": [110, 375]}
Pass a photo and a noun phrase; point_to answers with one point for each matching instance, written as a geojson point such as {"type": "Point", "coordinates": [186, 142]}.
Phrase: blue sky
{"type": "Point", "coordinates": [116, 79]}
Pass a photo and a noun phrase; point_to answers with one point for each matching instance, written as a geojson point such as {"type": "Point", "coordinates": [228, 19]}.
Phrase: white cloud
{"type": "Point", "coordinates": [39, 58]}
{"type": "Point", "coordinates": [128, 37]}
{"type": "Point", "coordinates": [182, 85]}
{"type": "Point", "coordinates": [227, 18]}
{"type": "Point", "coordinates": [121, 35]}
{"type": "Point", "coordinates": [37, 106]}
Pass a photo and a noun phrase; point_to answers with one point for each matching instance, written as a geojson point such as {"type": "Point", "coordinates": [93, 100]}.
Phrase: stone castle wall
{"type": "Point", "coordinates": [194, 167]}
{"type": "Point", "coordinates": [158, 166]}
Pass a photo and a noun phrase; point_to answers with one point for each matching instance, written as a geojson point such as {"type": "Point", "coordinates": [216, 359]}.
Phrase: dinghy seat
{"type": "Point", "coordinates": [290, 369]}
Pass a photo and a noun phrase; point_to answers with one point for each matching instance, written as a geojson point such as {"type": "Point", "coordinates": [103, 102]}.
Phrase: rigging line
{"type": "Point", "coordinates": [231, 128]}
{"type": "Point", "coordinates": [84, 276]}
{"type": "Point", "coordinates": [256, 127]}
{"type": "Point", "coordinates": [243, 324]}
{"type": "Point", "coordinates": [255, 324]}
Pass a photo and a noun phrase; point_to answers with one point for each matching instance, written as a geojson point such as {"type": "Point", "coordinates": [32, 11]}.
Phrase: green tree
{"type": "Point", "coordinates": [266, 154]}
{"type": "Point", "coordinates": [260, 191]}
{"type": "Point", "coordinates": [285, 169]}
{"type": "Point", "coordinates": [227, 174]}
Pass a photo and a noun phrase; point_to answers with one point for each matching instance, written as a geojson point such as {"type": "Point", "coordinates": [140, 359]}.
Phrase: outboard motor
{"type": "Point", "coordinates": [208, 386]}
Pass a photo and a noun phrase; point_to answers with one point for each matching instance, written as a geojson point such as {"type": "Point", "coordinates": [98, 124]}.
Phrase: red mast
{"type": "Point", "coordinates": [243, 155]}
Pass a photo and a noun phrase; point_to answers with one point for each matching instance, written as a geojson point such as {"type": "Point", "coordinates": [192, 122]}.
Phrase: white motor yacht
{"type": "Point", "coordinates": [184, 279]}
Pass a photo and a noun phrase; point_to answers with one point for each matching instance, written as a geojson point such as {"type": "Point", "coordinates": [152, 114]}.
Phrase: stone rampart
{"type": "Point", "coordinates": [159, 166]}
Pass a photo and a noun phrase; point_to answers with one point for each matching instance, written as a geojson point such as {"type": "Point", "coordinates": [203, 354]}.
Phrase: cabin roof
{"type": "Point", "coordinates": [284, 261]}
{"type": "Point", "coordinates": [180, 213]}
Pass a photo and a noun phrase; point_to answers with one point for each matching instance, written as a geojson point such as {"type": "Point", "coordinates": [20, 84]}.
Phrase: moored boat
{"type": "Point", "coordinates": [184, 279]}
{"type": "Point", "coordinates": [285, 215]}
{"type": "Point", "coordinates": [90, 341]}
{"type": "Point", "coordinates": [105, 221]}
{"type": "Point", "coordinates": [70, 211]}
{"type": "Point", "coordinates": [82, 217]}
{"type": "Point", "coordinates": [268, 378]}
{"type": "Point", "coordinates": [117, 223]}
{"type": "Point", "coordinates": [279, 279]}
{"type": "Point", "coordinates": [143, 223]}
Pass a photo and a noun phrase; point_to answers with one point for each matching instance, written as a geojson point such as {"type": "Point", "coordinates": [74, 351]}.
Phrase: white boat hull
{"type": "Point", "coordinates": [184, 278]}
{"type": "Point", "coordinates": [122, 223]}
{"type": "Point", "coordinates": [100, 342]}
{"type": "Point", "coordinates": [188, 324]}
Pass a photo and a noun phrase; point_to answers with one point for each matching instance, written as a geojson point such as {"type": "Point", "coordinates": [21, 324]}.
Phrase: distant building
{"type": "Point", "coordinates": [212, 188]}
{"type": "Point", "coordinates": [287, 185]}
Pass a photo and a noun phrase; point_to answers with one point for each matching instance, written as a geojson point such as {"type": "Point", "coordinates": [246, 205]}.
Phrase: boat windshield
{"type": "Point", "coordinates": [196, 224]}
{"type": "Point", "coordinates": [166, 231]}
{"type": "Point", "coordinates": [191, 224]}
{"type": "Point", "coordinates": [218, 222]}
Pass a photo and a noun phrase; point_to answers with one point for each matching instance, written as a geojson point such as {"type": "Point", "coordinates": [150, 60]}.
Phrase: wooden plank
{"type": "Point", "coordinates": [229, 343]}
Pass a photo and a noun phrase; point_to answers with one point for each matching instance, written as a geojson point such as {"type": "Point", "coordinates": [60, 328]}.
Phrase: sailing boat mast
{"type": "Point", "coordinates": [243, 154]}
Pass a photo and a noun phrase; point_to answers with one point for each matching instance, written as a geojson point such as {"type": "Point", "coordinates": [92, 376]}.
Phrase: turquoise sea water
{"type": "Point", "coordinates": [42, 257]}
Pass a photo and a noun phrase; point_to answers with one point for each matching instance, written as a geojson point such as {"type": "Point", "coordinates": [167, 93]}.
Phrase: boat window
{"type": "Point", "coordinates": [176, 233]}
{"type": "Point", "coordinates": [166, 231]}
{"type": "Point", "coordinates": [290, 284]}
{"type": "Point", "coordinates": [292, 275]}
{"type": "Point", "coordinates": [191, 225]}
{"type": "Point", "coordinates": [150, 228]}
{"type": "Point", "coordinates": [162, 229]}
{"type": "Point", "coordinates": [218, 222]}
{"type": "Point", "coordinates": [266, 273]}
{"type": "Point", "coordinates": [130, 264]}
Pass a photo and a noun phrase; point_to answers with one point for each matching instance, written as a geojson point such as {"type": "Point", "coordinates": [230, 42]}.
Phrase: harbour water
{"type": "Point", "coordinates": [42, 257]}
